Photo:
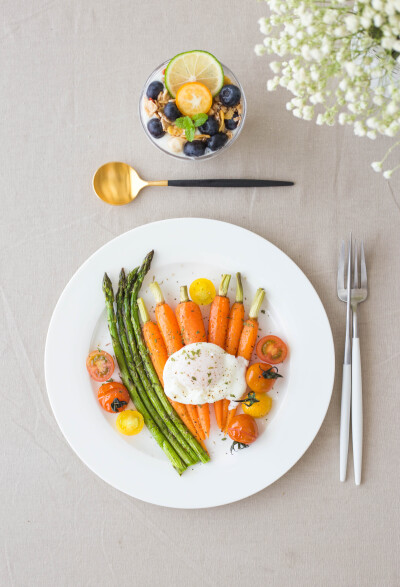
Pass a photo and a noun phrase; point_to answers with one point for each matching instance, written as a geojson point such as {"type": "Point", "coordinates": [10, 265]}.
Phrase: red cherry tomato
{"type": "Point", "coordinates": [260, 377]}
{"type": "Point", "coordinates": [113, 397]}
{"type": "Point", "coordinates": [243, 429]}
{"type": "Point", "coordinates": [271, 349]}
{"type": "Point", "coordinates": [100, 365]}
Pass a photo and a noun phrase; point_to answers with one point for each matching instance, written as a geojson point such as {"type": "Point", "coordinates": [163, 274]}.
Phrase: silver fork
{"type": "Point", "coordinates": [359, 294]}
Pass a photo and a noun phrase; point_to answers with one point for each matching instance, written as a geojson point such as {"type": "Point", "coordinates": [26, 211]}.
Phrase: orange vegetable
{"type": "Point", "coordinates": [166, 321]}
{"type": "Point", "coordinates": [190, 319]}
{"type": "Point", "coordinates": [194, 414]}
{"type": "Point", "coordinates": [192, 328]}
{"type": "Point", "coordinates": [235, 327]}
{"type": "Point", "coordinates": [217, 329]}
{"type": "Point", "coordinates": [154, 341]}
{"type": "Point", "coordinates": [248, 339]}
{"type": "Point", "coordinates": [113, 396]}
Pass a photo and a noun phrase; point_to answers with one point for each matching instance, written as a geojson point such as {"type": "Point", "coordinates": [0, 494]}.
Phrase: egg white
{"type": "Point", "coordinates": [203, 373]}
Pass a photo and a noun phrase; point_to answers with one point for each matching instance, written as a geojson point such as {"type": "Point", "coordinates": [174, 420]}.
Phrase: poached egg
{"type": "Point", "coordinates": [202, 373]}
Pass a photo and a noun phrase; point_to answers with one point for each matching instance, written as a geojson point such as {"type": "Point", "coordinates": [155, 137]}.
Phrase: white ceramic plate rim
{"type": "Point", "coordinates": [288, 436]}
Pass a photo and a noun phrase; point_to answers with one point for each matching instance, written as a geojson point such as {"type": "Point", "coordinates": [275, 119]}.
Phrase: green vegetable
{"type": "Point", "coordinates": [176, 461]}
{"type": "Point", "coordinates": [189, 125]}
{"type": "Point", "coordinates": [146, 392]}
{"type": "Point", "coordinates": [148, 365]}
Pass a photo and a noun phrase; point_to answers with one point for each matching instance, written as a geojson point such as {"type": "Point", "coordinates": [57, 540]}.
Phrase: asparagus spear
{"type": "Point", "coordinates": [119, 354]}
{"type": "Point", "coordinates": [144, 354]}
{"type": "Point", "coordinates": [143, 375]}
{"type": "Point", "coordinates": [147, 394]}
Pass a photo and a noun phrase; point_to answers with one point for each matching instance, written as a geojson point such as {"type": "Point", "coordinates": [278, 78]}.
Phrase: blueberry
{"type": "Point", "coordinates": [155, 128]}
{"type": "Point", "coordinates": [154, 89]}
{"type": "Point", "coordinates": [194, 149]}
{"type": "Point", "coordinates": [217, 141]}
{"type": "Point", "coordinates": [171, 111]}
{"type": "Point", "coordinates": [231, 124]}
{"type": "Point", "coordinates": [230, 95]}
{"type": "Point", "coordinates": [210, 127]}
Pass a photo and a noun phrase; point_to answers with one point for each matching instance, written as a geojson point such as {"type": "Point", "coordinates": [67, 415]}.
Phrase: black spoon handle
{"type": "Point", "coordinates": [228, 183]}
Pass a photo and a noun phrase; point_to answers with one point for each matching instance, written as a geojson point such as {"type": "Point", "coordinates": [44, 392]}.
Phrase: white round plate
{"type": "Point", "coordinates": [187, 248]}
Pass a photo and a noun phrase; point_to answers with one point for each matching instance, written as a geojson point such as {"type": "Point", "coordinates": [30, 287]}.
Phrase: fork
{"type": "Point", "coordinates": [352, 380]}
{"type": "Point", "coordinates": [359, 294]}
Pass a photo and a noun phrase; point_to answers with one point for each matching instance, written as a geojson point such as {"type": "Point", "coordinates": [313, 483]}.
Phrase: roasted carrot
{"type": "Point", "coordinates": [248, 338]}
{"type": "Point", "coordinates": [154, 341]}
{"type": "Point", "coordinates": [217, 329]}
{"type": "Point", "coordinates": [219, 314]}
{"type": "Point", "coordinates": [190, 319]}
{"type": "Point", "coordinates": [166, 321]}
{"type": "Point", "coordinates": [194, 414]}
{"type": "Point", "coordinates": [235, 327]}
{"type": "Point", "coordinates": [192, 329]}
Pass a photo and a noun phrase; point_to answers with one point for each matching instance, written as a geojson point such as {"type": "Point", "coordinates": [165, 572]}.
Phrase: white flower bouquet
{"type": "Point", "coordinates": [341, 62]}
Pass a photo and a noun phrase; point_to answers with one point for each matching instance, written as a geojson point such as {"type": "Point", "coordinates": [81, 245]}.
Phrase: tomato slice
{"type": "Point", "coordinates": [100, 365]}
{"type": "Point", "coordinates": [260, 377]}
{"type": "Point", "coordinates": [243, 429]}
{"type": "Point", "coordinates": [271, 349]}
{"type": "Point", "coordinates": [113, 397]}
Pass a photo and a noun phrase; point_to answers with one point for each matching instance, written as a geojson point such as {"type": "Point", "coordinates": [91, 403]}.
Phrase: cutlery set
{"type": "Point", "coordinates": [353, 293]}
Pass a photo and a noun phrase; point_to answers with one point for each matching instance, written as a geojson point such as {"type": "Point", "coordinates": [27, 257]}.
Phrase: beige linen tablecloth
{"type": "Point", "coordinates": [71, 75]}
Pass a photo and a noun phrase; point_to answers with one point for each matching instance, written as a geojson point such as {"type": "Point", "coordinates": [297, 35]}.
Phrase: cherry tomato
{"type": "Point", "coordinates": [243, 429]}
{"type": "Point", "coordinates": [258, 406]}
{"type": "Point", "coordinates": [202, 291]}
{"type": "Point", "coordinates": [100, 365]}
{"type": "Point", "coordinates": [271, 349]}
{"type": "Point", "coordinates": [130, 422]}
{"type": "Point", "coordinates": [260, 377]}
{"type": "Point", "coordinates": [113, 396]}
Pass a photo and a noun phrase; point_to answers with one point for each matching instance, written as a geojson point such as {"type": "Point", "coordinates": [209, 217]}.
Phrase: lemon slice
{"type": "Point", "coordinates": [194, 66]}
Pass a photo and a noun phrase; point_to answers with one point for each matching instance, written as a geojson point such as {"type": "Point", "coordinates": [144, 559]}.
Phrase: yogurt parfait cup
{"type": "Point", "coordinates": [192, 106]}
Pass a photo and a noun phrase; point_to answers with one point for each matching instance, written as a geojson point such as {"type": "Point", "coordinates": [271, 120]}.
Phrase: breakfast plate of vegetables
{"type": "Point", "coordinates": [187, 344]}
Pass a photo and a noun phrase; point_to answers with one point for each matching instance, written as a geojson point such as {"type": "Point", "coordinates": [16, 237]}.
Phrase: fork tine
{"type": "Point", "coordinates": [363, 268]}
{"type": "Point", "coordinates": [355, 272]}
{"type": "Point", "coordinates": [340, 275]}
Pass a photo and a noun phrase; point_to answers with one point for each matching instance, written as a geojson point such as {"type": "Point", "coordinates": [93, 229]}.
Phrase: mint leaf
{"type": "Point", "coordinates": [199, 119]}
{"type": "Point", "coordinates": [189, 132]}
{"type": "Point", "coordinates": [182, 121]}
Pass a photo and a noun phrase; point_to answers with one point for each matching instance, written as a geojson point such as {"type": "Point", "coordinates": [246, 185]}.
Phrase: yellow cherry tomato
{"type": "Point", "coordinates": [202, 291]}
{"type": "Point", "coordinates": [259, 408]}
{"type": "Point", "coordinates": [130, 422]}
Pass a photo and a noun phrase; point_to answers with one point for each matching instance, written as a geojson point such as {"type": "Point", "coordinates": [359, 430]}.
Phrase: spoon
{"type": "Point", "coordinates": [118, 183]}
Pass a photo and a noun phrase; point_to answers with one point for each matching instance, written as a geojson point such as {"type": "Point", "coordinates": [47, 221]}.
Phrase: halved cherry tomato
{"type": "Point", "coordinates": [130, 422]}
{"type": "Point", "coordinates": [113, 396]}
{"type": "Point", "coordinates": [100, 365]}
{"type": "Point", "coordinates": [260, 377]}
{"type": "Point", "coordinates": [243, 429]}
{"type": "Point", "coordinates": [271, 349]}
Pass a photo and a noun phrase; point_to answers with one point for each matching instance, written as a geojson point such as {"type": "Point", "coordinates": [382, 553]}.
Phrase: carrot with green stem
{"type": "Point", "coordinates": [248, 338]}
{"type": "Point", "coordinates": [169, 328]}
{"type": "Point", "coordinates": [191, 325]}
{"type": "Point", "coordinates": [235, 327]}
{"type": "Point", "coordinates": [218, 328]}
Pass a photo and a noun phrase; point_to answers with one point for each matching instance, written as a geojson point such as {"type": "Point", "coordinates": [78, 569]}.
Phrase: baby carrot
{"type": "Point", "coordinates": [166, 321]}
{"type": "Point", "coordinates": [217, 329]}
{"type": "Point", "coordinates": [248, 338]}
{"type": "Point", "coordinates": [154, 341]}
{"type": "Point", "coordinates": [235, 327]}
{"type": "Point", "coordinates": [190, 319]}
{"type": "Point", "coordinates": [192, 328]}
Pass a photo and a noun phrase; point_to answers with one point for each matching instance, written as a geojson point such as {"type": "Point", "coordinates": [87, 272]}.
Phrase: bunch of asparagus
{"type": "Point", "coordinates": [139, 375]}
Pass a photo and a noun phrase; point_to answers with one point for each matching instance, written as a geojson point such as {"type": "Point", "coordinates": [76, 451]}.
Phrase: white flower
{"type": "Point", "coordinates": [275, 66]}
{"type": "Point", "coordinates": [306, 52]}
{"type": "Point", "coordinates": [330, 17]}
{"type": "Point", "coordinates": [378, 20]}
{"type": "Point", "coordinates": [306, 19]}
{"type": "Point", "coordinates": [392, 108]}
{"type": "Point", "coordinates": [340, 31]}
{"type": "Point", "coordinates": [388, 174]}
{"type": "Point", "coordinates": [372, 122]}
{"type": "Point", "coordinates": [297, 113]}
{"type": "Point", "coordinates": [377, 4]}
{"type": "Point", "coordinates": [351, 68]}
{"type": "Point", "coordinates": [320, 119]}
{"type": "Point", "coordinates": [272, 84]}
{"type": "Point", "coordinates": [260, 50]}
{"type": "Point", "coordinates": [388, 42]}
{"type": "Point", "coordinates": [377, 166]}
{"type": "Point", "coordinates": [317, 98]}
{"type": "Point", "coordinates": [316, 54]}
{"type": "Point", "coordinates": [352, 23]}
{"type": "Point", "coordinates": [371, 134]}
{"type": "Point", "coordinates": [308, 112]}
